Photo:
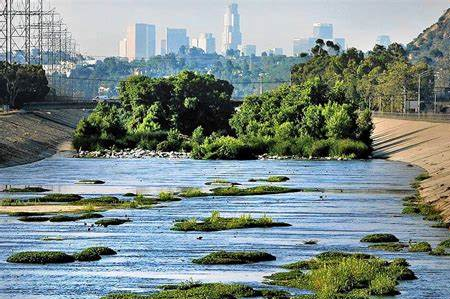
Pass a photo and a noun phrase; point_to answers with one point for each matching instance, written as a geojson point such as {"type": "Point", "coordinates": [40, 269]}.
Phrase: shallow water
{"type": "Point", "coordinates": [150, 254]}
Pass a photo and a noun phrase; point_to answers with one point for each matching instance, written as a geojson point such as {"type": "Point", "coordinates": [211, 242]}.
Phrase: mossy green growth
{"type": "Point", "coordinates": [26, 190]}
{"type": "Point", "coordinates": [90, 182]}
{"type": "Point", "coordinates": [111, 221]}
{"type": "Point", "coordinates": [167, 196]}
{"type": "Point", "coordinates": [234, 258]}
{"type": "Point", "coordinates": [40, 257]}
{"type": "Point", "coordinates": [26, 214]}
{"type": "Point", "coordinates": [272, 179]}
{"type": "Point", "coordinates": [393, 247]}
{"type": "Point", "coordinates": [87, 255]}
{"type": "Point", "coordinates": [59, 198]}
{"type": "Point", "coordinates": [129, 194]}
{"type": "Point", "coordinates": [259, 190]}
{"type": "Point", "coordinates": [193, 192]}
{"type": "Point", "coordinates": [439, 251]}
{"type": "Point", "coordinates": [100, 201]}
{"type": "Point", "coordinates": [33, 219]}
{"type": "Point", "coordinates": [422, 177]}
{"type": "Point", "coordinates": [221, 182]}
{"type": "Point", "coordinates": [379, 238]}
{"type": "Point", "coordinates": [204, 291]}
{"type": "Point", "coordinates": [217, 223]}
{"type": "Point", "coordinates": [344, 275]}
{"type": "Point", "coordinates": [445, 244]}
{"type": "Point", "coordinates": [420, 247]}
{"type": "Point", "coordinates": [63, 218]}
{"type": "Point", "coordinates": [411, 209]}
{"type": "Point", "coordinates": [89, 216]}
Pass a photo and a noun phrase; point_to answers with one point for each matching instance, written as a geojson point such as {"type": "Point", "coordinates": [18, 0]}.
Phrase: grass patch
{"type": "Point", "coordinates": [422, 177]}
{"type": "Point", "coordinates": [192, 290]}
{"type": "Point", "coordinates": [63, 218]}
{"type": "Point", "coordinates": [217, 223]}
{"type": "Point", "coordinates": [59, 198]}
{"type": "Point", "coordinates": [221, 182]}
{"type": "Point", "coordinates": [40, 257]}
{"type": "Point", "coordinates": [167, 196]}
{"type": "Point", "coordinates": [411, 209]}
{"type": "Point", "coordinates": [445, 244]}
{"type": "Point", "coordinates": [49, 239]}
{"type": "Point", "coordinates": [111, 221]}
{"type": "Point", "coordinates": [26, 214]}
{"type": "Point", "coordinates": [272, 179]}
{"type": "Point", "coordinates": [439, 251]}
{"type": "Point", "coordinates": [87, 255]}
{"type": "Point", "coordinates": [392, 247]}
{"type": "Point", "coordinates": [193, 192]}
{"type": "Point", "coordinates": [234, 258]}
{"type": "Point", "coordinates": [26, 190]}
{"type": "Point", "coordinates": [259, 190]}
{"type": "Point", "coordinates": [379, 238]}
{"type": "Point", "coordinates": [90, 182]}
{"type": "Point", "coordinates": [344, 275]}
{"type": "Point", "coordinates": [129, 194]}
{"type": "Point", "coordinates": [33, 219]}
{"type": "Point", "coordinates": [420, 247]}
{"type": "Point", "coordinates": [100, 201]}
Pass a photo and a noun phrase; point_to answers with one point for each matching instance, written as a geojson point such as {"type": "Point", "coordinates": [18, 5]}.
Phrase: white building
{"type": "Point", "coordinates": [232, 36]}
{"type": "Point", "coordinates": [341, 43]}
{"type": "Point", "coordinates": [207, 42]}
{"type": "Point", "coordinates": [140, 42]}
{"type": "Point", "coordinates": [303, 45]}
{"type": "Point", "coordinates": [323, 31]}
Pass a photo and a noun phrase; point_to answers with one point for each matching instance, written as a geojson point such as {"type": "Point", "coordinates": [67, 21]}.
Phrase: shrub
{"type": "Point", "coordinates": [40, 257]}
{"type": "Point", "coordinates": [231, 258]}
{"type": "Point", "coordinates": [224, 148]}
{"type": "Point", "coordinates": [379, 238]}
{"type": "Point", "coordinates": [347, 148]}
{"type": "Point", "coordinates": [320, 148]}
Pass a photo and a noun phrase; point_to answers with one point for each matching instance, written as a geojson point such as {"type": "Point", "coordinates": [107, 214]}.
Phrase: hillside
{"type": "Point", "coordinates": [433, 44]}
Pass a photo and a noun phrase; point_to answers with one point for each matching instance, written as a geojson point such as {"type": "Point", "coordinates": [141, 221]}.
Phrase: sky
{"type": "Point", "coordinates": [98, 25]}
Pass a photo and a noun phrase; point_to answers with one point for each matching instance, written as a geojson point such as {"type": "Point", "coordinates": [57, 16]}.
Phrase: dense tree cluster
{"type": "Point", "coordinates": [382, 80]}
{"type": "Point", "coordinates": [20, 84]}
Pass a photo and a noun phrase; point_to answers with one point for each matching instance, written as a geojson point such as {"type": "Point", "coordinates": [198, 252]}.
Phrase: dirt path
{"type": "Point", "coordinates": [424, 144]}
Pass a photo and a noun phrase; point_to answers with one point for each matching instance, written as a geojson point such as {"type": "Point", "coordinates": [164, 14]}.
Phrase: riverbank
{"type": "Point", "coordinates": [425, 144]}
{"type": "Point", "coordinates": [33, 136]}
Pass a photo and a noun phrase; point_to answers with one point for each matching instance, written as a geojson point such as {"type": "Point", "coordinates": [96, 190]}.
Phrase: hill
{"type": "Point", "coordinates": [433, 44]}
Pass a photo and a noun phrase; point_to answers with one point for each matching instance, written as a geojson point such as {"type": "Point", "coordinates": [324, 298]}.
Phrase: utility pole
{"type": "Point", "coordinates": [418, 98]}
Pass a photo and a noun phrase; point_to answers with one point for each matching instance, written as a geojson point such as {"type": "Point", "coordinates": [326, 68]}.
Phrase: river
{"type": "Point", "coordinates": [364, 197]}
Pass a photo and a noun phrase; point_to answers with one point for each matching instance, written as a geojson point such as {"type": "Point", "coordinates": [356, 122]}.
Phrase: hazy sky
{"type": "Point", "coordinates": [98, 25]}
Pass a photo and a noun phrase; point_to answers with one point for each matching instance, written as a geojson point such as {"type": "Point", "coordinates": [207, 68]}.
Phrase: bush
{"type": "Point", "coordinates": [349, 149]}
{"type": "Point", "coordinates": [320, 148]}
{"type": "Point", "coordinates": [40, 257]}
{"type": "Point", "coordinates": [379, 238]}
{"type": "Point", "coordinates": [224, 148]}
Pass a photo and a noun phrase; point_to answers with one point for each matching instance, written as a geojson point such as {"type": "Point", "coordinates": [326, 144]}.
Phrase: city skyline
{"type": "Point", "coordinates": [401, 20]}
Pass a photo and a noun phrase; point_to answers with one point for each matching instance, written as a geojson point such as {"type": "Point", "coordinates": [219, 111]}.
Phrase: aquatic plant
{"type": "Point", "coordinates": [231, 258]}
{"type": "Point", "coordinates": [48, 239]}
{"type": "Point", "coordinates": [218, 223]}
{"type": "Point", "coordinates": [26, 190]}
{"type": "Point", "coordinates": [40, 257]}
{"type": "Point", "coordinates": [91, 182]}
{"type": "Point", "coordinates": [389, 246]}
{"type": "Point", "coordinates": [111, 221]}
{"type": "Point", "coordinates": [272, 179]}
{"type": "Point", "coordinates": [420, 247]}
{"type": "Point", "coordinates": [87, 255]}
{"type": "Point", "coordinates": [26, 214]}
{"type": "Point", "coordinates": [379, 238]}
{"type": "Point", "coordinates": [193, 192]}
{"type": "Point", "coordinates": [221, 182]}
{"type": "Point", "coordinates": [63, 218]}
{"type": "Point", "coordinates": [33, 219]}
{"type": "Point", "coordinates": [344, 275]}
{"type": "Point", "coordinates": [204, 291]}
{"type": "Point", "coordinates": [445, 244]}
{"type": "Point", "coordinates": [99, 201]}
{"type": "Point", "coordinates": [167, 196]}
{"type": "Point", "coordinates": [56, 197]}
{"type": "Point", "coordinates": [439, 251]}
{"type": "Point", "coordinates": [259, 190]}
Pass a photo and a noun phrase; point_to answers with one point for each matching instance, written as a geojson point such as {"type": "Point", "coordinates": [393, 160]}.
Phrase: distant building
{"type": "Point", "coordinates": [176, 38]}
{"type": "Point", "coordinates": [248, 50]}
{"type": "Point", "coordinates": [275, 51]}
{"type": "Point", "coordinates": [123, 45]}
{"type": "Point", "coordinates": [207, 42]}
{"type": "Point", "coordinates": [323, 31]}
{"type": "Point", "coordinates": [303, 45]}
{"type": "Point", "coordinates": [383, 40]}
{"type": "Point", "coordinates": [232, 36]}
{"type": "Point", "coordinates": [163, 47]}
{"type": "Point", "coordinates": [194, 42]}
{"type": "Point", "coordinates": [341, 42]}
{"type": "Point", "coordinates": [140, 42]}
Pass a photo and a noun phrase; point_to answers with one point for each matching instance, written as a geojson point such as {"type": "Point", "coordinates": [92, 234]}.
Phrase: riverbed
{"type": "Point", "coordinates": [360, 197]}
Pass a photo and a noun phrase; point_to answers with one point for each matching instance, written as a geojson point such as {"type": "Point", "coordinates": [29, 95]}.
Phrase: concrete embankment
{"type": "Point", "coordinates": [32, 136]}
{"type": "Point", "coordinates": [425, 144]}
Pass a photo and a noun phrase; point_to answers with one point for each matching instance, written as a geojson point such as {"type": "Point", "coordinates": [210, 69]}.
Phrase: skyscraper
{"type": "Point", "coordinates": [248, 50]}
{"type": "Point", "coordinates": [383, 40]}
{"type": "Point", "coordinates": [207, 42]}
{"type": "Point", "coordinates": [140, 42]}
{"type": "Point", "coordinates": [323, 31]}
{"type": "Point", "coordinates": [176, 38]}
{"type": "Point", "coordinates": [303, 45]}
{"type": "Point", "coordinates": [163, 47]}
{"type": "Point", "coordinates": [232, 36]}
{"type": "Point", "coordinates": [341, 43]}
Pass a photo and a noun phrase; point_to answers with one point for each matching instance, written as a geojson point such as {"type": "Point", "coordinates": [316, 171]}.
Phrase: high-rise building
{"type": "Point", "coordinates": [140, 42]}
{"type": "Point", "coordinates": [341, 43]}
{"type": "Point", "coordinates": [207, 42]}
{"type": "Point", "coordinates": [176, 38]}
{"type": "Point", "coordinates": [303, 45]}
{"type": "Point", "coordinates": [383, 40]}
{"type": "Point", "coordinates": [248, 50]}
{"type": "Point", "coordinates": [163, 47]}
{"type": "Point", "coordinates": [323, 31]}
{"type": "Point", "coordinates": [123, 45]}
{"type": "Point", "coordinates": [232, 36]}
